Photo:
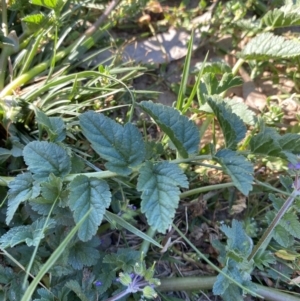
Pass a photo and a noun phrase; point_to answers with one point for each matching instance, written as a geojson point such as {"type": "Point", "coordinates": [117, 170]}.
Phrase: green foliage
{"type": "Point", "coordinates": [122, 147]}
{"type": "Point", "coordinates": [160, 193]}
{"type": "Point", "coordinates": [284, 16]}
{"type": "Point", "coordinates": [266, 45]}
{"type": "Point", "coordinates": [237, 250]}
{"type": "Point", "coordinates": [182, 132]}
{"type": "Point", "coordinates": [88, 194]}
{"type": "Point", "coordinates": [232, 125]}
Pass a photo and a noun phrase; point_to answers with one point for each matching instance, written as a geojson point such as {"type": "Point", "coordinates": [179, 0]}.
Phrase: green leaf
{"type": "Point", "coordinates": [291, 224]}
{"type": "Point", "coordinates": [238, 108]}
{"type": "Point", "coordinates": [54, 126]}
{"type": "Point", "coordinates": [266, 143]}
{"type": "Point", "coordinates": [76, 288]}
{"type": "Point", "coordinates": [84, 254]}
{"type": "Point", "coordinates": [232, 126]}
{"type": "Point", "coordinates": [160, 193]}
{"type": "Point", "coordinates": [216, 86]}
{"type": "Point", "coordinates": [182, 132]}
{"type": "Point", "coordinates": [288, 15]}
{"type": "Point", "coordinates": [267, 45]}
{"type": "Point", "coordinates": [106, 280]}
{"type": "Point", "coordinates": [51, 4]}
{"type": "Point", "coordinates": [35, 19]}
{"type": "Point", "coordinates": [21, 189]}
{"type": "Point", "coordinates": [44, 158]}
{"type": "Point", "coordinates": [51, 190]}
{"type": "Point", "coordinates": [45, 295]}
{"type": "Point", "coordinates": [290, 142]}
{"type": "Point", "coordinates": [31, 234]}
{"type": "Point", "coordinates": [237, 240]}
{"type": "Point", "coordinates": [264, 260]}
{"type": "Point", "coordinates": [213, 67]}
{"type": "Point", "coordinates": [283, 237]}
{"type": "Point", "coordinates": [85, 194]}
{"type": "Point", "coordinates": [238, 168]}
{"type": "Point", "coordinates": [122, 147]}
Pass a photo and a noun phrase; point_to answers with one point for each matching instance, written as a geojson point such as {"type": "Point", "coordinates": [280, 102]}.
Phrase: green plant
{"type": "Point", "coordinates": [54, 213]}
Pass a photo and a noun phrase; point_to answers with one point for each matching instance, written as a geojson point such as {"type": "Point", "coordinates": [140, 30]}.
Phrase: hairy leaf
{"type": "Point", "coordinates": [237, 240]}
{"type": "Point", "coordinates": [85, 194]}
{"type": "Point", "coordinates": [217, 86]}
{"type": "Point", "coordinates": [267, 45]}
{"type": "Point", "coordinates": [238, 168]}
{"type": "Point", "coordinates": [31, 234]}
{"type": "Point", "coordinates": [288, 15]}
{"type": "Point", "coordinates": [45, 295]}
{"type": "Point", "coordinates": [264, 260]}
{"type": "Point", "coordinates": [44, 158]}
{"type": "Point", "coordinates": [76, 288]}
{"type": "Point", "coordinates": [232, 126]}
{"type": "Point", "coordinates": [160, 193]}
{"type": "Point", "coordinates": [266, 143]}
{"type": "Point", "coordinates": [54, 126]}
{"type": "Point", "coordinates": [122, 147]}
{"type": "Point", "coordinates": [84, 254]}
{"type": "Point", "coordinates": [291, 223]}
{"type": "Point", "coordinates": [290, 142]}
{"type": "Point", "coordinates": [183, 133]}
{"type": "Point", "coordinates": [21, 189]}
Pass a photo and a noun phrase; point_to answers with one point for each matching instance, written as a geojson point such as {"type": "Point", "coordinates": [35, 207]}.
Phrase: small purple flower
{"type": "Point", "coordinates": [98, 283]}
{"type": "Point", "coordinates": [132, 207]}
{"type": "Point", "coordinates": [294, 166]}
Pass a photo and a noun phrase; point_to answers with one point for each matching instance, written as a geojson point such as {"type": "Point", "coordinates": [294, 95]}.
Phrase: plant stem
{"type": "Point", "coordinates": [264, 240]}
{"type": "Point", "coordinates": [146, 244]}
{"type": "Point", "coordinates": [206, 188]}
{"type": "Point", "coordinates": [206, 283]}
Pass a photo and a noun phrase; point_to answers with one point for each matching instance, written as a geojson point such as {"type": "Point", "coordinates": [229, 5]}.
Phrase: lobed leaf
{"type": "Point", "coordinates": [232, 126]}
{"type": "Point", "coordinates": [21, 189]}
{"type": "Point", "coordinates": [44, 158]}
{"type": "Point", "coordinates": [237, 240]}
{"type": "Point", "coordinates": [88, 194]}
{"type": "Point", "coordinates": [238, 168]}
{"type": "Point", "coordinates": [160, 193]}
{"type": "Point", "coordinates": [183, 133]}
{"type": "Point", "coordinates": [267, 45]}
{"type": "Point", "coordinates": [122, 147]}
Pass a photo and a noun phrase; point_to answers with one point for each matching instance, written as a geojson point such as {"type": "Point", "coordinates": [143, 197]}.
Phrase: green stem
{"type": "Point", "coordinates": [206, 283]}
{"type": "Point", "coordinates": [146, 244]}
{"type": "Point", "coordinates": [265, 239]}
{"type": "Point", "coordinates": [206, 188]}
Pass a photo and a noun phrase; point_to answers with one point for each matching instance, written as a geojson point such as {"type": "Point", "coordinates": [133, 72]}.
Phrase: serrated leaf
{"type": "Point", "coordinates": [213, 67]}
{"type": "Point", "coordinates": [287, 15]}
{"type": "Point", "coordinates": [84, 254]}
{"type": "Point", "coordinates": [267, 45]}
{"type": "Point", "coordinates": [159, 184]}
{"type": "Point", "coordinates": [238, 108]}
{"type": "Point", "coordinates": [85, 194]}
{"type": "Point", "coordinates": [76, 288]}
{"type": "Point", "coordinates": [216, 86]}
{"type": "Point", "coordinates": [290, 142]}
{"type": "Point", "coordinates": [31, 234]}
{"type": "Point", "coordinates": [35, 19]}
{"type": "Point", "coordinates": [237, 240]}
{"type": "Point", "coordinates": [106, 280]}
{"type": "Point", "coordinates": [238, 168]}
{"type": "Point", "coordinates": [183, 133]}
{"type": "Point", "coordinates": [277, 202]}
{"type": "Point", "coordinates": [232, 126]}
{"type": "Point", "coordinates": [290, 223]}
{"type": "Point", "coordinates": [21, 189]}
{"type": "Point", "coordinates": [122, 147]}
{"type": "Point", "coordinates": [51, 4]}
{"type": "Point", "coordinates": [44, 158]}
{"type": "Point", "coordinates": [265, 143]}
{"type": "Point", "coordinates": [282, 237]}
{"type": "Point", "coordinates": [264, 260]}
{"type": "Point", "coordinates": [45, 295]}
{"type": "Point", "coordinates": [54, 126]}
{"type": "Point", "coordinates": [51, 190]}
